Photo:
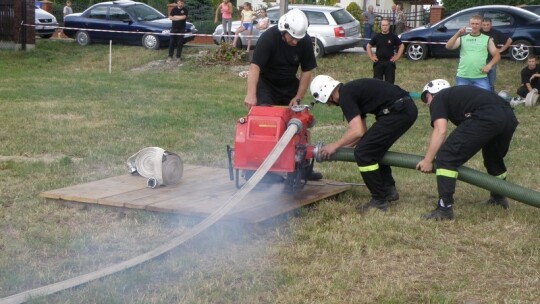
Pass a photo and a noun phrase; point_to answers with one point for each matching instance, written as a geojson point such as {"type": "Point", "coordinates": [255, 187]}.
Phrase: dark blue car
{"type": "Point", "coordinates": [521, 25]}
{"type": "Point", "coordinates": [122, 21]}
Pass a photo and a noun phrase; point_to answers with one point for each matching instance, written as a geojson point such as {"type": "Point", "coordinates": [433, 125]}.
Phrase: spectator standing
{"type": "Point", "coordinates": [502, 43]}
{"type": "Point", "coordinates": [474, 48]}
{"type": "Point", "coordinates": [393, 18]}
{"type": "Point", "coordinates": [226, 10]}
{"type": "Point", "coordinates": [385, 57]}
{"type": "Point", "coordinates": [401, 21]}
{"type": "Point", "coordinates": [179, 15]}
{"type": "Point", "coordinates": [395, 112]}
{"type": "Point", "coordinates": [368, 18]}
{"type": "Point", "coordinates": [530, 77]}
{"type": "Point", "coordinates": [67, 9]}
{"type": "Point", "coordinates": [246, 19]}
{"type": "Point", "coordinates": [484, 121]}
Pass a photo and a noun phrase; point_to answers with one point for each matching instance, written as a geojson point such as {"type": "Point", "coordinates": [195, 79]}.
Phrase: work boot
{"type": "Point", "coordinates": [440, 214]}
{"type": "Point", "coordinates": [315, 176]}
{"type": "Point", "coordinates": [392, 194]}
{"type": "Point", "coordinates": [498, 200]}
{"type": "Point", "coordinates": [373, 203]}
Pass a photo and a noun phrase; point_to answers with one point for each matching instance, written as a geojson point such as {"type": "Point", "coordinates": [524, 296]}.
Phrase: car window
{"type": "Point", "coordinates": [459, 21]}
{"type": "Point", "coordinates": [99, 12]}
{"type": "Point", "coordinates": [144, 12]}
{"type": "Point", "coordinates": [499, 18]}
{"type": "Point", "coordinates": [118, 14]}
{"type": "Point", "coordinates": [273, 15]}
{"type": "Point", "coordinates": [316, 18]}
{"type": "Point", "coordinates": [342, 16]}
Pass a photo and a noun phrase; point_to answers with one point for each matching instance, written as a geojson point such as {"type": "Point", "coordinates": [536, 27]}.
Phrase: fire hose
{"type": "Point", "coordinates": [470, 176]}
{"type": "Point", "coordinates": [159, 166]}
{"type": "Point", "coordinates": [294, 126]}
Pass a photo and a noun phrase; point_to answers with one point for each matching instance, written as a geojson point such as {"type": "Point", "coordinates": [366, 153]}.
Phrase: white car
{"type": "Point", "coordinates": [46, 23]}
{"type": "Point", "coordinates": [332, 28]}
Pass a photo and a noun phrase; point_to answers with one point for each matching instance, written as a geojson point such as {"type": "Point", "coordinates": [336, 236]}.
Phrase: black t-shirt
{"type": "Point", "coordinates": [279, 61]}
{"type": "Point", "coordinates": [368, 95]}
{"type": "Point", "coordinates": [526, 75]}
{"type": "Point", "coordinates": [462, 102]}
{"type": "Point", "coordinates": [179, 24]}
{"type": "Point", "coordinates": [386, 45]}
{"type": "Point", "coordinates": [499, 39]}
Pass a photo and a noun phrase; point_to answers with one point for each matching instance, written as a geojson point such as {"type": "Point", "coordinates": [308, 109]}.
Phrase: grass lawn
{"type": "Point", "coordinates": [66, 120]}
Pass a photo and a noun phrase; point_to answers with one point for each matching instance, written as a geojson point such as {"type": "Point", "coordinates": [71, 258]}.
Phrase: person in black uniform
{"type": "Point", "coordinates": [179, 15]}
{"type": "Point", "coordinates": [280, 51]}
{"type": "Point", "coordinates": [384, 60]}
{"type": "Point", "coordinates": [484, 121]}
{"type": "Point", "coordinates": [395, 112]}
{"type": "Point", "coordinates": [530, 77]}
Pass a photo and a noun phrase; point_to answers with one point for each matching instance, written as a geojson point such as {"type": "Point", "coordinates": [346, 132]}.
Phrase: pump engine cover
{"type": "Point", "coordinates": [258, 133]}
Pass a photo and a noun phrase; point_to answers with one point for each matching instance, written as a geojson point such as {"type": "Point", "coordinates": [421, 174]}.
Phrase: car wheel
{"type": "Point", "coordinates": [318, 48]}
{"type": "Point", "coordinates": [82, 38]}
{"type": "Point", "coordinates": [416, 51]}
{"type": "Point", "coordinates": [150, 42]}
{"type": "Point", "coordinates": [521, 50]}
{"type": "Point", "coordinates": [46, 36]}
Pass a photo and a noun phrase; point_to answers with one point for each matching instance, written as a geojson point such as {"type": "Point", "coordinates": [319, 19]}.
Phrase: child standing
{"type": "Point", "coordinates": [246, 19]}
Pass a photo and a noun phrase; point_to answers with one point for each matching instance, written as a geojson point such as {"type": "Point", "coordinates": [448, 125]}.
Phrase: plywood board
{"type": "Point", "coordinates": [201, 191]}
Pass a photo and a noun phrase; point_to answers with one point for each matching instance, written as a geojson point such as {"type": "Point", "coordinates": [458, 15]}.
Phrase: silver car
{"type": "Point", "coordinates": [46, 23]}
{"type": "Point", "coordinates": [332, 28]}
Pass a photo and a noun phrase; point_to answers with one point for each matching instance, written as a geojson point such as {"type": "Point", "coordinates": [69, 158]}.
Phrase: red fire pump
{"type": "Point", "coordinates": [258, 133]}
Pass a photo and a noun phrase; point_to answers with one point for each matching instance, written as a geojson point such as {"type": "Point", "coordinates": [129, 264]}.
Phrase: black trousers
{"type": "Point", "coordinates": [176, 42]}
{"type": "Point", "coordinates": [376, 142]}
{"type": "Point", "coordinates": [385, 70]}
{"type": "Point", "coordinates": [278, 95]}
{"type": "Point", "coordinates": [490, 131]}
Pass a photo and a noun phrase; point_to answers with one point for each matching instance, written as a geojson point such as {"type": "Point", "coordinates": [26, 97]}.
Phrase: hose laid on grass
{"type": "Point", "coordinates": [470, 176]}
{"type": "Point", "coordinates": [292, 129]}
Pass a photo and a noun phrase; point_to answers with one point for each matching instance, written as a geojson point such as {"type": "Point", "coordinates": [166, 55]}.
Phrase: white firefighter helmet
{"type": "Point", "coordinates": [294, 22]}
{"type": "Point", "coordinates": [322, 87]}
{"type": "Point", "coordinates": [434, 87]}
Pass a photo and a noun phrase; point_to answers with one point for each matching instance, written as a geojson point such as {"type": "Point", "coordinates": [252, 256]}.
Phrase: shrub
{"type": "Point", "coordinates": [225, 54]}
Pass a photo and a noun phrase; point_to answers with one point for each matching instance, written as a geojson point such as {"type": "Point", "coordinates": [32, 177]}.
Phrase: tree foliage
{"type": "Point", "coordinates": [462, 4]}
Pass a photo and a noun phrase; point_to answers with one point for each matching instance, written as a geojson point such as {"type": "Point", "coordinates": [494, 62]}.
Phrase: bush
{"type": "Point", "coordinates": [225, 54]}
{"type": "Point", "coordinates": [205, 26]}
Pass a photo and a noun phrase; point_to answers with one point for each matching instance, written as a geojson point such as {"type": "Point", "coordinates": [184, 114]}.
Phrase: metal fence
{"type": "Point", "coordinates": [7, 17]}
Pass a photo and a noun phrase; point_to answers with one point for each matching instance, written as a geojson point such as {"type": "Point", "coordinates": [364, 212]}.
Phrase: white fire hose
{"type": "Point", "coordinates": [159, 166]}
{"type": "Point", "coordinates": [294, 127]}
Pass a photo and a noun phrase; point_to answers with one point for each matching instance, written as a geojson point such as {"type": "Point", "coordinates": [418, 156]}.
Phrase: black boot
{"type": "Point", "coordinates": [373, 203]}
{"type": "Point", "coordinates": [496, 199]}
{"type": "Point", "coordinates": [442, 213]}
{"type": "Point", "coordinates": [391, 193]}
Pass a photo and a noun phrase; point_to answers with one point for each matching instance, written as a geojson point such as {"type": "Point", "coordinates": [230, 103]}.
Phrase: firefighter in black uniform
{"type": "Point", "coordinates": [280, 51]}
{"type": "Point", "coordinates": [484, 121]}
{"type": "Point", "coordinates": [395, 112]}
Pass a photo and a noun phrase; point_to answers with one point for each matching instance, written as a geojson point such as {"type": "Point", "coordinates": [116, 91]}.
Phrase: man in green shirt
{"type": "Point", "coordinates": [474, 49]}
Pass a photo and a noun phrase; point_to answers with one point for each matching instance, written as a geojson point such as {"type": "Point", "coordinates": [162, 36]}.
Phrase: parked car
{"type": "Point", "coordinates": [332, 28]}
{"type": "Point", "coordinates": [532, 8]}
{"type": "Point", "coordinates": [522, 25]}
{"type": "Point", "coordinates": [123, 22]}
{"type": "Point", "coordinates": [46, 23]}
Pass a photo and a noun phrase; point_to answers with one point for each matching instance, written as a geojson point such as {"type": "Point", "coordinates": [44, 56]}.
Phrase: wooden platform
{"type": "Point", "coordinates": [200, 191]}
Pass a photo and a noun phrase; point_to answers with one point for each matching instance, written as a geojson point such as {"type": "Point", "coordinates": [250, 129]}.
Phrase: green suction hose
{"type": "Point", "coordinates": [470, 176]}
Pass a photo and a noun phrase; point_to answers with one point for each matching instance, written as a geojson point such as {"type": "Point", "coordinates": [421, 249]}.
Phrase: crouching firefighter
{"type": "Point", "coordinates": [484, 121]}
{"type": "Point", "coordinates": [395, 112]}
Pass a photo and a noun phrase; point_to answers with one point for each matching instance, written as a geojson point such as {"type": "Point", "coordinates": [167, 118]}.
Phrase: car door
{"type": "Point", "coordinates": [96, 19]}
{"type": "Point", "coordinates": [120, 22]}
